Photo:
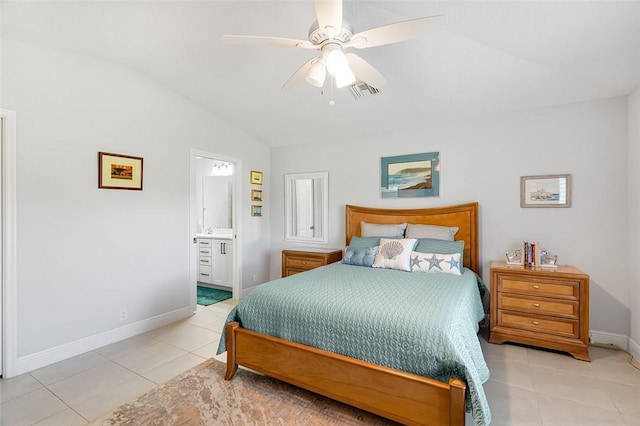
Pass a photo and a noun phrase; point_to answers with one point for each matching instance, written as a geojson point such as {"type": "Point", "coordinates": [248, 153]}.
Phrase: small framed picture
{"type": "Point", "coordinates": [117, 171]}
{"type": "Point", "coordinates": [256, 177]}
{"type": "Point", "coordinates": [256, 210]}
{"type": "Point", "coordinates": [256, 195]}
{"type": "Point", "coordinates": [545, 191]}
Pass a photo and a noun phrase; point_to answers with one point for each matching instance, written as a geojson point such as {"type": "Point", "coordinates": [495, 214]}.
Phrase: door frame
{"type": "Point", "coordinates": [8, 264]}
{"type": "Point", "coordinates": [236, 210]}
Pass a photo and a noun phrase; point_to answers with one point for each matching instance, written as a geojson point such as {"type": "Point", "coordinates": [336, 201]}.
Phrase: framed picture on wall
{"type": "Point", "coordinates": [545, 191]}
{"type": "Point", "coordinates": [414, 175]}
{"type": "Point", "coordinates": [118, 171]}
{"type": "Point", "coordinates": [256, 195]}
{"type": "Point", "coordinates": [256, 177]}
{"type": "Point", "coordinates": [256, 210]}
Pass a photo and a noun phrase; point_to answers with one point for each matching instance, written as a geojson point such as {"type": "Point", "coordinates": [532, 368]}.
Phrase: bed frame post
{"type": "Point", "coordinates": [232, 367]}
{"type": "Point", "coordinates": [457, 402]}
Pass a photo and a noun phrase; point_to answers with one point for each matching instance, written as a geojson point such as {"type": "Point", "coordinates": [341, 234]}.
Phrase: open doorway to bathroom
{"type": "Point", "coordinates": [214, 224]}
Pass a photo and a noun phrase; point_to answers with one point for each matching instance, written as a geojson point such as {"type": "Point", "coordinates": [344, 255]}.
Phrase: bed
{"type": "Point", "coordinates": [422, 373]}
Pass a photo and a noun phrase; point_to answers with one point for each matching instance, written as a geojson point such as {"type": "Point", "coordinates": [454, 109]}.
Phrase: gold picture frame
{"type": "Point", "coordinates": [256, 210]}
{"type": "Point", "coordinates": [256, 177]}
{"type": "Point", "coordinates": [118, 171]}
{"type": "Point", "coordinates": [545, 191]}
{"type": "Point", "coordinates": [256, 195]}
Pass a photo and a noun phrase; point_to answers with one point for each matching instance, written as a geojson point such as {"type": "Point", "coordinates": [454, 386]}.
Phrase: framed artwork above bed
{"type": "Point", "coordinates": [414, 175]}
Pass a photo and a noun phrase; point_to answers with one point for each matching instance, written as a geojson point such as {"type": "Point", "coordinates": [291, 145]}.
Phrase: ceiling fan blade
{"type": "Point", "coordinates": [364, 71]}
{"type": "Point", "coordinates": [400, 31]}
{"type": "Point", "coordinates": [298, 77]}
{"type": "Point", "coordinates": [268, 41]}
{"type": "Point", "coordinates": [329, 14]}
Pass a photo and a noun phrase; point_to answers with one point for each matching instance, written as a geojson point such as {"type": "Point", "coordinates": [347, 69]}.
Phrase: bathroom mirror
{"type": "Point", "coordinates": [307, 207]}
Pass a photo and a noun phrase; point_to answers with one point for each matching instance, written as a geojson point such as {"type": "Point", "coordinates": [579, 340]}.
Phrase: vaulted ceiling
{"type": "Point", "coordinates": [493, 57]}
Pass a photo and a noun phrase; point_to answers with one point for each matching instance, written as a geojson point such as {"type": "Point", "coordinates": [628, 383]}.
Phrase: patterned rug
{"type": "Point", "coordinates": [201, 396]}
{"type": "Point", "coordinates": [208, 296]}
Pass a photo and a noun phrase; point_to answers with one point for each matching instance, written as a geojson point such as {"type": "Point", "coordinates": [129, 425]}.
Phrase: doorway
{"type": "Point", "coordinates": [215, 212]}
{"type": "Point", "coordinates": [8, 302]}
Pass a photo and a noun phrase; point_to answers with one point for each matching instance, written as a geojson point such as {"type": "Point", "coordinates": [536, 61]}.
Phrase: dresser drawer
{"type": "Point", "coordinates": [555, 326]}
{"type": "Point", "coordinates": [537, 305]}
{"type": "Point", "coordinates": [303, 263]}
{"type": "Point", "coordinates": [205, 242]}
{"type": "Point", "coordinates": [539, 287]}
{"type": "Point", "coordinates": [205, 260]}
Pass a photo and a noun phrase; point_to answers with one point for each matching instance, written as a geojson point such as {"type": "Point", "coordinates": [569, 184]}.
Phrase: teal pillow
{"type": "Point", "coordinates": [364, 242]}
{"type": "Point", "coordinates": [368, 241]}
{"type": "Point", "coordinates": [360, 256]}
{"type": "Point", "coordinates": [431, 245]}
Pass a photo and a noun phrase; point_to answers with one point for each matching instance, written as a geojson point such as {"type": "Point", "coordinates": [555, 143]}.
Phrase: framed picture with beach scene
{"type": "Point", "coordinates": [414, 175]}
{"type": "Point", "coordinates": [545, 191]}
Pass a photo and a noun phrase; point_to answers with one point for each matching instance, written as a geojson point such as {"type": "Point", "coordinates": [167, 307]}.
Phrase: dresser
{"type": "Point", "coordinates": [304, 259]}
{"type": "Point", "coordinates": [545, 307]}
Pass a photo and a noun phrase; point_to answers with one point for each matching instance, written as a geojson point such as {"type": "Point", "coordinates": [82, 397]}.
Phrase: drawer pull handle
{"type": "Point", "coordinates": [304, 263]}
{"type": "Point", "coordinates": [536, 305]}
{"type": "Point", "coordinates": [535, 323]}
{"type": "Point", "coordinates": [206, 275]}
{"type": "Point", "coordinates": [536, 286]}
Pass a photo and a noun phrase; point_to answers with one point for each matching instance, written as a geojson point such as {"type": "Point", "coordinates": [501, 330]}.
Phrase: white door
{"type": "Point", "coordinates": [304, 207]}
{"type": "Point", "coordinates": [1, 239]}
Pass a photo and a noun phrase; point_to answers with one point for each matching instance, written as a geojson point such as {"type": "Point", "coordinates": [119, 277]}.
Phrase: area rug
{"type": "Point", "coordinates": [201, 396]}
{"type": "Point", "coordinates": [208, 296]}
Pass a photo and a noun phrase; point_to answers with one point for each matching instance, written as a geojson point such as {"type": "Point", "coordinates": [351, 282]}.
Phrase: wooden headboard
{"type": "Point", "coordinates": [464, 216]}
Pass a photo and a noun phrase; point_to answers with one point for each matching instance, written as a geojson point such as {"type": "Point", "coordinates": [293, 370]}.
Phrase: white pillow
{"type": "Point", "coordinates": [431, 231]}
{"type": "Point", "coordinates": [395, 253]}
{"type": "Point", "coordinates": [436, 263]}
{"type": "Point", "coordinates": [382, 230]}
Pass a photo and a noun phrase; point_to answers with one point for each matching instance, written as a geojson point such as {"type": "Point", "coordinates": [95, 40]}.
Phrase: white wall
{"type": "Point", "coordinates": [633, 163]}
{"type": "Point", "coordinates": [85, 253]}
{"type": "Point", "coordinates": [482, 161]}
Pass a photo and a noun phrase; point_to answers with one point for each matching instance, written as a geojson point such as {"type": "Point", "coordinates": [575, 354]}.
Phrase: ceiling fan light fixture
{"type": "Point", "coordinates": [345, 78]}
{"type": "Point", "coordinates": [336, 61]}
{"type": "Point", "coordinates": [316, 74]}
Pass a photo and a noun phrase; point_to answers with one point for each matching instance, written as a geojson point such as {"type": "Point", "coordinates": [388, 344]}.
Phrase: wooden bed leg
{"type": "Point", "coordinates": [232, 367]}
{"type": "Point", "coordinates": [457, 405]}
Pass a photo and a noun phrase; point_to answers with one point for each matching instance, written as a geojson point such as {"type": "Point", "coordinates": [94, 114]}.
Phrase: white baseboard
{"type": "Point", "coordinates": [47, 357]}
{"type": "Point", "coordinates": [610, 338]}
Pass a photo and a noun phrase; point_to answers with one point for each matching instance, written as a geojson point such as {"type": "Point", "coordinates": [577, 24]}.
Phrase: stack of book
{"type": "Point", "coordinates": [531, 254]}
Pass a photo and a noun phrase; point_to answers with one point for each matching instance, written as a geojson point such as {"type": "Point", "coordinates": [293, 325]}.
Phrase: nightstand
{"type": "Point", "coordinates": [545, 307]}
{"type": "Point", "coordinates": [305, 259]}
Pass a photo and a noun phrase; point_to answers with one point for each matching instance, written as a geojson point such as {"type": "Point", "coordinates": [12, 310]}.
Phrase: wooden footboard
{"type": "Point", "coordinates": [396, 395]}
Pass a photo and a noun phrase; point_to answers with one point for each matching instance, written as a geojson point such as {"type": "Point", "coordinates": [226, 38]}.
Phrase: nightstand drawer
{"type": "Point", "coordinates": [296, 261]}
{"type": "Point", "coordinates": [556, 326]}
{"type": "Point", "coordinates": [565, 308]}
{"type": "Point", "coordinates": [304, 264]}
{"type": "Point", "coordinates": [539, 287]}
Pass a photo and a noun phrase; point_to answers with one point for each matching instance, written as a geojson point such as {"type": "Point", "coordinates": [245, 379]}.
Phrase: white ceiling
{"type": "Point", "coordinates": [493, 57]}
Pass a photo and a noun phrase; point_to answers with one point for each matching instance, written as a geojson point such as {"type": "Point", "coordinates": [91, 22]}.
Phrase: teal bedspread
{"type": "Point", "coordinates": [422, 323]}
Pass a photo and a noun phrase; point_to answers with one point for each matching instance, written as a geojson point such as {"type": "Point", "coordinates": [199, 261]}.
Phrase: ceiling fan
{"type": "Point", "coordinates": [332, 35]}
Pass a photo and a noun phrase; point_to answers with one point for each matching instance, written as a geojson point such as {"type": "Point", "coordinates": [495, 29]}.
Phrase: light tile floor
{"type": "Point", "coordinates": [527, 386]}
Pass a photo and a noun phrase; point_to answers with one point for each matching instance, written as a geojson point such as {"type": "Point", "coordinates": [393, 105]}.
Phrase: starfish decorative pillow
{"type": "Point", "coordinates": [436, 263]}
